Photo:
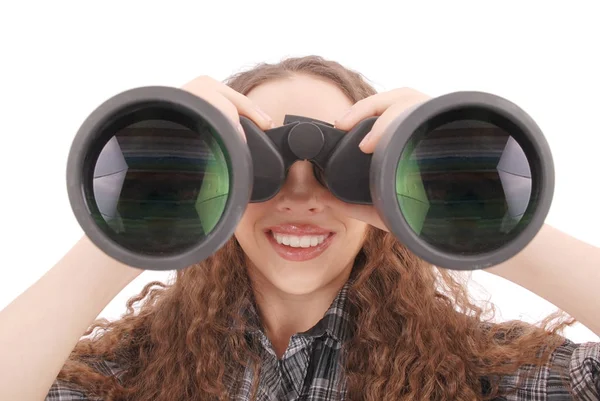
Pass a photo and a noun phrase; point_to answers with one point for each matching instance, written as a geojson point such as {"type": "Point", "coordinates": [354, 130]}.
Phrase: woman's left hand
{"type": "Point", "coordinates": [387, 106]}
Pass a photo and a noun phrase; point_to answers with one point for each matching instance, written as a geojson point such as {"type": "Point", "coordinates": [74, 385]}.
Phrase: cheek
{"type": "Point", "coordinates": [245, 231]}
{"type": "Point", "coordinates": [356, 232]}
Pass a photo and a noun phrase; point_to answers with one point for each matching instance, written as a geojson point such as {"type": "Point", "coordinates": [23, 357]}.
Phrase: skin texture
{"type": "Point", "coordinates": [293, 296]}
{"type": "Point", "coordinates": [387, 358]}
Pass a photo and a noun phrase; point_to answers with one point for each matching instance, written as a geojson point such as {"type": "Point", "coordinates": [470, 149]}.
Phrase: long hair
{"type": "Point", "coordinates": [417, 334]}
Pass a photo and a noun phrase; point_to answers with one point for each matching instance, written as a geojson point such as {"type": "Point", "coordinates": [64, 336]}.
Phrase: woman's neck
{"type": "Point", "coordinates": [284, 315]}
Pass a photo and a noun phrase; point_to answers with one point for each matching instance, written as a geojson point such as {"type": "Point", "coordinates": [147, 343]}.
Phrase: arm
{"type": "Point", "coordinates": [561, 269]}
{"type": "Point", "coordinates": [41, 327]}
{"type": "Point", "coordinates": [555, 266]}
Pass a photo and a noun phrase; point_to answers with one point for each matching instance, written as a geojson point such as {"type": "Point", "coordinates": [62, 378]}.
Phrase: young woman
{"type": "Point", "coordinates": [360, 318]}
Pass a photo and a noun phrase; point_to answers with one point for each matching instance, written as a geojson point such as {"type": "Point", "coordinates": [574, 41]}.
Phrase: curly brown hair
{"type": "Point", "coordinates": [418, 334]}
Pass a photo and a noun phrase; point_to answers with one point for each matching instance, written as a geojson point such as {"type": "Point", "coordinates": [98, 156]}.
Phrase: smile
{"type": "Point", "coordinates": [305, 241]}
{"type": "Point", "coordinates": [299, 245]}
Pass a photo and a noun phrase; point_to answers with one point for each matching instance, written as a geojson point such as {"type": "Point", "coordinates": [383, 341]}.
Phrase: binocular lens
{"type": "Point", "coordinates": [159, 178]}
{"type": "Point", "coordinates": [464, 187]}
{"type": "Point", "coordinates": [159, 187]}
{"type": "Point", "coordinates": [151, 178]}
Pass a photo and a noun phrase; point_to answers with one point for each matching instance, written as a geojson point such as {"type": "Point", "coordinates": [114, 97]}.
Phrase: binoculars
{"type": "Point", "coordinates": [158, 178]}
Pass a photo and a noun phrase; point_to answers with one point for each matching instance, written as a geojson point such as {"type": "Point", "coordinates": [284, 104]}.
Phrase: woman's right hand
{"type": "Point", "coordinates": [231, 103]}
{"type": "Point", "coordinates": [41, 327]}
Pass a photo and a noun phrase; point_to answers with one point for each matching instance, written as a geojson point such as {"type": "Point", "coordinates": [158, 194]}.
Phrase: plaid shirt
{"type": "Point", "coordinates": [308, 369]}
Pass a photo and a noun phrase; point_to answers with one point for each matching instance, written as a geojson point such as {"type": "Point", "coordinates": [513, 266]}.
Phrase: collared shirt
{"type": "Point", "coordinates": [308, 370]}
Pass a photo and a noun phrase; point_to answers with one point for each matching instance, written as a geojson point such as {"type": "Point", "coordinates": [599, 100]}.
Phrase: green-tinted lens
{"type": "Point", "coordinates": [160, 187]}
{"type": "Point", "coordinates": [465, 187]}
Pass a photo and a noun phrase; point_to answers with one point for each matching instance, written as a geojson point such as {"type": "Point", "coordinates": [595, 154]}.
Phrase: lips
{"type": "Point", "coordinates": [299, 254]}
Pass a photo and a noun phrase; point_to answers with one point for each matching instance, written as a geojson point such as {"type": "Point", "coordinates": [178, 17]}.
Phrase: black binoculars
{"type": "Point", "coordinates": [158, 178]}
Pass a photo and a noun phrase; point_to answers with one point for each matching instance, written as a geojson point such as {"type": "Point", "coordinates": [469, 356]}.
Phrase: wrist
{"type": "Point", "coordinates": [522, 267]}
{"type": "Point", "coordinates": [122, 272]}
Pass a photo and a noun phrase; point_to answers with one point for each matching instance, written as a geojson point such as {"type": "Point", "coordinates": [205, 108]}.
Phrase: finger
{"type": "Point", "coordinates": [248, 108]}
{"type": "Point", "coordinates": [376, 105]}
{"type": "Point", "coordinates": [225, 106]}
{"type": "Point", "coordinates": [244, 105]}
{"type": "Point", "coordinates": [384, 121]}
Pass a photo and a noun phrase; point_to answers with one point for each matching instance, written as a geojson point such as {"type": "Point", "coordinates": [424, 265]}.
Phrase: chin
{"type": "Point", "coordinates": [302, 278]}
{"type": "Point", "coordinates": [297, 280]}
{"type": "Point", "coordinates": [297, 288]}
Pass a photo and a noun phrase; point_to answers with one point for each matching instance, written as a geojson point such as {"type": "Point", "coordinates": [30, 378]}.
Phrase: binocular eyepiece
{"type": "Point", "coordinates": [159, 178]}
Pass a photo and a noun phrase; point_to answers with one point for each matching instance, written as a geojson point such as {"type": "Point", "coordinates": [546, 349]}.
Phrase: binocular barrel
{"type": "Point", "coordinates": [158, 178]}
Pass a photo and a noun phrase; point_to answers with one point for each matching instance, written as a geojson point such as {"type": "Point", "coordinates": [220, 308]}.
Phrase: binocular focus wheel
{"type": "Point", "coordinates": [159, 178]}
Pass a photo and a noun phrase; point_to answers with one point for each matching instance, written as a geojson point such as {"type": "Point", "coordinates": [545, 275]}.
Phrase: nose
{"type": "Point", "coordinates": [301, 193]}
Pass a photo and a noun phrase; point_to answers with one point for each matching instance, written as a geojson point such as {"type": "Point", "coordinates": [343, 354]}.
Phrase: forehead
{"type": "Point", "coordinates": [301, 95]}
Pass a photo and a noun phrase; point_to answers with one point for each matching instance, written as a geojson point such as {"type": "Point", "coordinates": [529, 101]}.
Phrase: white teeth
{"type": "Point", "coordinates": [305, 241]}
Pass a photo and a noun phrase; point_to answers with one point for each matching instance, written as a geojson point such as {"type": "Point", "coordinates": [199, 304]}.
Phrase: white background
{"type": "Point", "coordinates": [58, 61]}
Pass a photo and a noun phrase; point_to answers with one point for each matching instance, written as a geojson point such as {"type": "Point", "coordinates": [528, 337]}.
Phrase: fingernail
{"type": "Point", "coordinates": [365, 140]}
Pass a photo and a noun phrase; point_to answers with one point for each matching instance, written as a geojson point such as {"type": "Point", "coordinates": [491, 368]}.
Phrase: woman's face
{"type": "Point", "coordinates": [298, 242]}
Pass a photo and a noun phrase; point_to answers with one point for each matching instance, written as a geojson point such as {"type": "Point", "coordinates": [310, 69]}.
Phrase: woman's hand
{"type": "Point", "coordinates": [231, 103]}
{"type": "Point", "coordinates": [387, 106]}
